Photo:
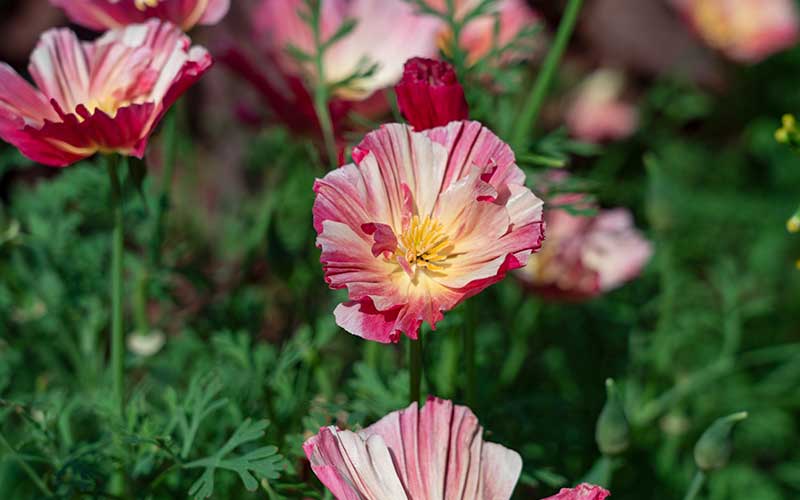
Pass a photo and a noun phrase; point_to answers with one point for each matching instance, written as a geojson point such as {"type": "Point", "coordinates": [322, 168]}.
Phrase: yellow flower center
{"type": "Point", "coordinates": [424, 244]}
{"type": "Point", "coordinates": [143, 4]}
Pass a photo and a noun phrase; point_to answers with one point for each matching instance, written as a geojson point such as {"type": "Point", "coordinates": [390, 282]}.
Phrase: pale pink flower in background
{"type": "Point", "coordinates": [436, 452]}
{"type": "Point", "coordinates": [598, 111]}
{"type": "Point", "coordinates": [478, 36]}
{"type": "Point", "coordinates": [420, 222]}
{"type": "Point", "coordinates": [103, 96]}
{"type": "Point", "coordinates": [101, 15]}
{"type": "Point", "coordinates": [745, 30]}
{"type": "Point", "coordinates": [387, 33]}
{"type": "Point", "coordinates": [585, 256]}
{"type": "Point", "coordinates": [581, 492]}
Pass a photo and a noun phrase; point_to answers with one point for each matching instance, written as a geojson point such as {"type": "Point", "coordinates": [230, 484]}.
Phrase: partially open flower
{"type": "Point", "coordinates": [420, 222]}
{"type": "Point", "coordinates": [586, 256]}
{"type": "Point", "coordinates": [581, 492]}
{"type": "Point", "coordinates": [101, 15]}
{"type": "Point", "coordinates": [598, 112]}
{"type": "Point", "coordinates": [386, 34]}
{"type": "Point", "coordinates": [745, 30]}
{"type": "Point", "coordinates": [429, 94]}
{"type": "Point", "coordinates": [103, 96]}
{"type": "Point", "coordinates": [415, 454]}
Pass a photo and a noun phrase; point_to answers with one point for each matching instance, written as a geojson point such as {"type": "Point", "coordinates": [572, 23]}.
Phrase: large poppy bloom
{"type": "Point", "coordinates": [104, 96]}
{"type": "Point", "coordinates": [387, 33]}
{"type": "Point", "coordinates": [436, 452]}
{"type": "Point", "coordinates": [745, 30]}
{"type": "Point", "coordinates": [102, 15]}
{"type": "Point", "coordinates": [420, 222]}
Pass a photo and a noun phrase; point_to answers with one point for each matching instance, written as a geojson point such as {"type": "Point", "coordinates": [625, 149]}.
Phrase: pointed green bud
{"type": "Point", "coordinates": [612, 432]}
{"type": "Point", "coordinates": [713, 449]}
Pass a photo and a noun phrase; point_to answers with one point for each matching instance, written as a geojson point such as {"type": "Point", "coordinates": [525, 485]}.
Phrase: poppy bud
{"type": "Point", "coordinates": [429, 94]}
{"type": "Point", "coordinates": [713, 449]}
{"type": "Point", "coordinates": [612, 432]}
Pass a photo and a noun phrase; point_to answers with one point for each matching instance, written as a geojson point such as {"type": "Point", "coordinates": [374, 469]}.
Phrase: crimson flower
{"type": "Point", "coordinates": [429, 94]}
{"type": "Point", "coordinates": [101, 15]}
{"type": "Point", "coordinates": [420, 222]}
{"type": "Point", "coordinates": [104, 96]}
{"type": "Point", "coordinates": [581, 492]}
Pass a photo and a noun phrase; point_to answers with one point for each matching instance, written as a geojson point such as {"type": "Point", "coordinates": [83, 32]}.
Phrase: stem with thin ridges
{"type": "Point", "coordinates": [469, 356]}
{"type": "Point", "coordinates": [533, 104]}
{"type": "Point", "coordinates": [321, 93]}
{"type": "Point", "coordinates": [414, 368]}
{"type": "Point", "coordinates": [696, 486]}
{"type": "Point", "coordinates": [117, 332]}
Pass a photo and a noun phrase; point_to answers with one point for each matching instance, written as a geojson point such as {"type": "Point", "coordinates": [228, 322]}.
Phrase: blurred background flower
{"type": "Point", "coordinates": [101, 15]}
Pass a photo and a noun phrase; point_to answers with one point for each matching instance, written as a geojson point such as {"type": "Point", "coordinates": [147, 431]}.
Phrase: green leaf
{"type": "Point", "coordinates": [261, 463]}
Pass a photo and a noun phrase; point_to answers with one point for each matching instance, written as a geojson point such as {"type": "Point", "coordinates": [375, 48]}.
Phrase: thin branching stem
{"type": "Point", "coordinates": [533, 103]}
{"type": "Point", "coordinates": [34, 477]}
{"type": "Point", "coordinates": [696, 485]}
{"type": "Point", "coordinates": [117, 251]}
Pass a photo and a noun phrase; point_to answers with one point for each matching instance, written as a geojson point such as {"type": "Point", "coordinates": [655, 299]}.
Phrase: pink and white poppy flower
{"type": "Point", "coordinates": [387, 33]}
{"type": "Point", "coordinates": [433, 453]}
{"type": "Point", "coordinates": [104, 96]}
{"type": "Point", "coordinates": [420, 222]}
{"type": "Point", "coordinates": [581, 492]}
{"type": "Point", "coordinates": [101, 15]}
{"type": "Point", "coordinates": [586, 256]}
{"type": "Point", "coordinates": [745, 30]}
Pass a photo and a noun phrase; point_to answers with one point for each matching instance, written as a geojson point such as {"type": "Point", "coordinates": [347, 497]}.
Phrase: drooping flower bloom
{"type": "Point", "coordinates": [386, 34]}
{"type": "Point", "coordinates": [415, 454]}
{"type": "Point", "coordinates": [102, 96]}
{"type": "Point", "coordinates": [581, 492]}
{"type": "Point", "coordinates": [598, 112]}
{"type": "Point", "coordinates": [429, 94]}
{"type": "Point", "coordinates": [586, 256]}
{"type": "Point", "coordinates": [478, 37]}
{"type": "Point", "coordinates": [745, 30]}
{"type": "Point", "coordinates": [101, 15]}
{"type": "Point", "coordinates": [420, 222]}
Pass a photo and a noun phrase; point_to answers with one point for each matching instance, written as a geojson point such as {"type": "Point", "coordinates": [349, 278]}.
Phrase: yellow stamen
{"type": "Point", "coordinates": [424, 244]}
{"type": "Point", "coordinates": [143, 4]}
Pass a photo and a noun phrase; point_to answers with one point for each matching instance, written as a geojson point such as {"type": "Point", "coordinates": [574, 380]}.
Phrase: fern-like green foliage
{"type": "Point", "coordinates": [261, 463]}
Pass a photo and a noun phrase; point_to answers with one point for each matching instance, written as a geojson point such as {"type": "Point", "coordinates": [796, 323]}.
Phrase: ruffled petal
{"type": "Point", "coordinates": [581, 492]}
{"type": "Point", "coordinates": [439, 453]}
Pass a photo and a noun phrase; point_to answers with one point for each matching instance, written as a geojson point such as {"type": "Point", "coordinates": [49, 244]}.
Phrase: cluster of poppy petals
{"type": "Point", "coordinates": [428, 214]}
{"type": "Point", "coordinates": [103, 96]}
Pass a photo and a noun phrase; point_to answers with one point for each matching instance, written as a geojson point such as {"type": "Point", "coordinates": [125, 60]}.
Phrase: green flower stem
{"type": "Point", "coordinates": [457, 53]}
{"type": "Point", "coordinates": [533, 104]}
{"type": "Point", "coordinates": [321, 91]}
{"type": "Point", "coordinates": [170, 135]}
{"type": "Point", "coordinates": [469, 356]}
{"type": "Point", "coordinates": [34, 477]}
{"type": "Point", "coordinates": [602, 472]}
{"type": "Point", "coordinates": [696, 486]}
{"type": "Point", "coordinates": [117, 332]}
{"type": "Point", "coordinates": [414, 368]}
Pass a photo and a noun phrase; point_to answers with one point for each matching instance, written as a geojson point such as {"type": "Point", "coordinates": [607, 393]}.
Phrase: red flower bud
{"type": "Point", "coordinates": [429, 94]}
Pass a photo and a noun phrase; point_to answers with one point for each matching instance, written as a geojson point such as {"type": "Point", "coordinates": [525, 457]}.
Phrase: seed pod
{"type": "Point", "coordinates": [612, 432]}
{"type": "Point", "coordinates": [713, 449]}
